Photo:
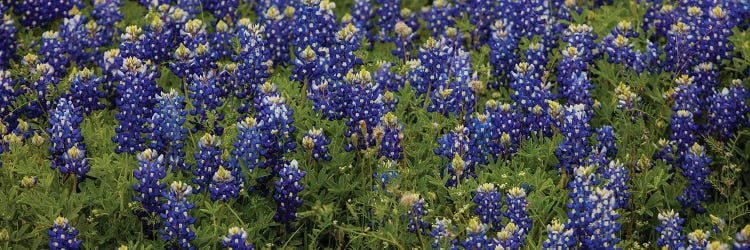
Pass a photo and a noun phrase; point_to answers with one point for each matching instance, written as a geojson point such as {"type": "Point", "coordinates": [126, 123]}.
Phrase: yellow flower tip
{"type": "Point", "coordinates": [61, 221]}
{"type": "Point", "coordinates": [289, 12]}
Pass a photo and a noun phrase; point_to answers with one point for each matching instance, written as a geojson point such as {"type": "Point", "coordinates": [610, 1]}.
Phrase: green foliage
{"type": "Point", "coordinates": [340, 206]}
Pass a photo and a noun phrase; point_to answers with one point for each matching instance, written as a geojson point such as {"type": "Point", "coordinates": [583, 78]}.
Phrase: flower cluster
{"type": "Point", "coordinates": [84, 91]}
{"type": "Point", "coordinates": [137, 90]}
{"type": "Point", "coordinates": [695, 169]}
{"type": "Point", "coordinates": [574, 149]}
{"type": "Point", "coordinates": [168, 134]}
{"type": "Point", "coordinates": [176, 217]}
{"type": "Point", "coordinates": [727, 110]}
{"type": "Point", "coordinates": [236, 239]}
{"type": "Point", "coordinates": [8, 32]}
{"type": "Point", "coordinates": [489, 205]}
{"type": "Point", "coordinates": [316, 144]}
{"type": "Point", "coordinates": [63, 236]}
{"type": "Point", "coordinates": [67, 148]}
{"type": "Point", "coordinates": [226, 183]}
{"type": "Point", "coordinates": [454, 146]}
{"type": "Point", "coordinates": [442, 234]}
{"type": "Point", "coordinates": [207, 161]}
{"type": "Point", "coordinates": [670, 230]}
{"type": "Point", "coordinates": [150, 172]}
{"type": "Point", "coordinates": [287, 192]}
{"type": "Point", "coordinates": [415, 211]}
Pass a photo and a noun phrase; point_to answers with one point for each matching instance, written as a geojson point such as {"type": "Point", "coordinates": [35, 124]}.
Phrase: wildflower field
{"type": "Point", "coordinates": [374, 124]}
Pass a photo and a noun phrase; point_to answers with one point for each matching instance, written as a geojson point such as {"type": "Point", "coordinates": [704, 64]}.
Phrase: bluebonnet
{"type": "Point", "coordinates": [193, 7]}
{"type": "Point", "coordinates": [110, 63]}
{"type": "Point", "coordinates": [510, 237]}
{"type": "Point", "coordinates": [107, 13]}
{"type": "Point", "coordinates": [455, 91]}
{"type": "Point", "coordinates": [309, 27]}
{"type": "Point", "coordinates": [489, 205]}
{"type": "Point", "coordinates": [476, 238]}
{"type": "Point", "coordinates": [603, 226]}
{"type": "Point", "coordinates": [388, 13]}
{"type": "Point", "coordinates": [308, 67]}
{"type": "Point", "coordinates": [67, 148]}
{"type": "Point", "coordinates": [236, 239]}
{"type": "Point", "coordinates": [580, 189]}
{"type": "Point", "coordinates": [574, 149]}
{"type": "Point", "coordinates": [137, 96]}
{"type": "Point", "coordinates": [385, 180]}
{"type": "Point", "coordinates": [454, 146]}
{"type": "Point", "coordinates": [223, 10]}
{"type": "Point", "coordinates": [151, 171]}
{"type": "Point", "coordinates": [686, 95]}
{"type": "Point", "coordinates": [503, 57]}
{"type": "Point", "coordinates": [84, 91]}
{"type": "Point", "coordinates": [415, 211]}
{"type": "Point", "coordinates": [247, 148]}
{"type": "Point", "coordinates": [559, 237]}
{"type": "Point", "coordinates": [670, 230]}
{"type": "Point", "coordinates": [228, 78]}
{"type": "Point", "coordinates": [517, 214]}
{"type": "Point", "coordinates": [605, 149]}
{"type": "Point", "coordinates": [432, 57]}
{"type": "Point", "coordinates": [184, 63]}
{"type": "Point", "coordinates": [582, 38]}
{"type": "Point", "coordinates": [439, 17]}
{"type": "Point", "coordinates": [442, 233]}
{"type": "Point", "coordinates": [207, 161]}
{"type": "Point", "coordinates": [680, 48]}
{"type": "Point", "coordinates": [206, 96]}
{"type": "Point", "coordinates": [8, 32]}
{"type": "Point", "coordinates": [287, 193]}
{"type": "Point", "coordinates": [54, 52]}
{"type": "Point", "coordinates": [706, 77]}
{"type": "Point", "coordinates": [404, 38]}
{"type": "Point", "coordinates": [7, 97]}
{"type": "Point", "coordinates": [531, 96]}
{"type": "Point", "coordinates": [617, 181]}
{"type": "Point", "coordinates": [157, 41]}
{"type": "Point", "coordinates": [23, 129]}
{"type": "Point", "coordinates": [316, 144]}
{"type": "Point", "coordinates": [43, 79]}
{"type": "Point", "coordinates": [481, 14]}
{"type": "Point", "coordinates": [505, 121]}
{"type": "Point", "coordinates": [742, 239]}
{"type": "Point", "coordinates": [36, 13]}
{"type": "Point", "coordinates": [391, 137]}
{"type": "Point", "coordinates": [727, 110]}
{"type": "Point", "coordinates": [385, 78]}
{"type": "Point", "coordinates": [628, 101]}
{"type": "Point", "coordinates": [536, 54]}
{"type": "Point", "coordinates": [362, 17]}
{"type": "Point", "coordinates": [63, 236]}
{"type": "Point", "coordinates": [362, 111]}
{"type": "Point", "coordinates": [713, 37]}
{"type": "Point", "coordinates": [278, 29]}
{"type": "Point", "coordinates": [254, 62]}
{"type": "Point", "coordinates": [341, 53]}
{"type": "Point", "coordinates": [569, 76]}
{"type": "Point", "coordinates": [697, 239]}
{"type": "Point", "coordinates": [226, 183]}
{"type": "Point", "coordinates": [530, 17]}
{"type": "Point", "coordinates": [176, 216]}
{"type": "Point", "coordinates": [168, 135]}
{"type": "Point", "coordinates": [275, 115]}
{"type": "Point", "coordinates": [326, 18]}
{"type": "Point", "coordinates": [28, 182]}
{"type": "Point", "coordinates": [483, 138]}
{"type": "Point", "coordinates": [132, 42]}
{"type": "Point", "coordinates": [620, 50]}
{"type": "Point", "coordinates": [73, 31]}
{"type": "Point", "coordinates": [222, 40]}
{"type": "Point", "coordinates": [695, 170]}
{"type": "Point", "coordinates": [410, 19]}
{"type": "Point", "coordinates": [683, 132]}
